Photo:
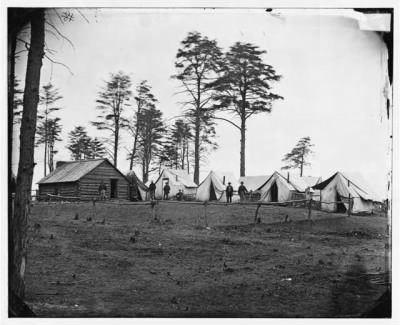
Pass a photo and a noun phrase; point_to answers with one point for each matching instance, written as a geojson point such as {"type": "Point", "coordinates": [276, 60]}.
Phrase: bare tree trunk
{"type": "Point", "coordinates": [196, 175]}
{"type": "Point", "coordinates": [243, 148]}
{"type": "Point", "coordinates": [135, 139]}
{"type": "Point", "coordinates": [116, 136]}
{"type": "Point", "coordinates": [144, 176]}
{"type": "Point", "coordinates": [51, 157]}
{"type": "Point", "coordinates": [183, 156]}
{"type": "Point", "coordinates": [26, 160]}
{"type": "Point", "coordinates": [302, 163]}
{"type": "Point", "coordinates": [45, 141]}
{"type": "Point", "coordinates": [197, 151]}
{"type": "Point", "coordinates": [12, 43]}
{"type": "Point", "coordinates": [133, 154]}
{"type": "Point", "coordinates": [187, 156]}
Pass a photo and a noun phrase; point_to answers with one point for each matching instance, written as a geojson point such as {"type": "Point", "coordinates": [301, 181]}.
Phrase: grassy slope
{"type": "Point", "coordinates": [178, 267]}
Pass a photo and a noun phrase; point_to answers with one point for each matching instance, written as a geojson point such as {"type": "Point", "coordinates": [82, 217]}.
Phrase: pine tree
{"type": "Point", "coordinates": [114, 97]}
{"type": "Point", "coordinates": [82, 146]}
{"type": "Point", "coordinates": [49, 95]}
{"type": "Point", "coordinates": [297, 158]}
{"type": "Point", "coordinates": [78, 143]}
{"type": "Point", "coordinates": [197, 61]}
{"type": "Point", "coordinates": [96, 149]}
{"type": "Point", "coordinates": [144, 99]}
{"type": "Point", "coordinates": [244, 89]}
{"type": "Point", "coordinates": [150, 137]}
{"type": "Point", "coordinates": [48, 134]}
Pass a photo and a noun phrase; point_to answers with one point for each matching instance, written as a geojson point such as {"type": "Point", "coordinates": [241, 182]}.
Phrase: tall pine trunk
{"type": "Point", "coordinates": [26, 156]}
{"type": "Point", "coordinates": [144, 175]}
{"type": "Point", "coordinates": [116, 136]}
{"type": "Point", "coordinates": [187, 157]}
{"type": "Point", "coordinates": [243, 147]}
{"type": "Point", "coordinates": [51, 157]}
{"type": "Point", "coordinates": [45, 144]}
{"type": "Point", "coordinates": [132, 158]}
{"type": "Point", "coordinates": [197, 150]}
{"type": "Point", "coordinates": [196, 175]}
{"type": "Point", "coordinates": [133, 154]}
{"type": "Point", "coordinates": [301, 165]}
{"type": "Point", "coordinates": [12, 43]}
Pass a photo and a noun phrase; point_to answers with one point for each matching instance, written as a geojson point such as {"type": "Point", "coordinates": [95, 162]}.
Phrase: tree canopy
{"type": "Point", "coordinates": [297, 158]}
{"type": "Point", "coordinates": [197, 62]}
{"type": "Point", "coordinates": [244, 88]}
{"type": "Point", "coordinates": [112, 100]}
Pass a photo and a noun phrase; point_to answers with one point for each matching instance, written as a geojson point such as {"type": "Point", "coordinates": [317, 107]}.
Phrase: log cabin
{"type": "Point", "coordinates": [81, 179]}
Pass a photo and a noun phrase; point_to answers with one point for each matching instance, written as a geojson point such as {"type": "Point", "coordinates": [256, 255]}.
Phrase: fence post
{"type": "Point", "coordinates": [48, 206]}
{"type": "Point", "coordinates": [309, 209]}
{"type": "Point", "coordinates": [153, 209]}
{"type": "Point", "coordinates": [94, 208]}
{"type": "Point", "coordinates": [349, 209]}
{"type": "Point", "coordinates": [205, 213]}
{"type": "Point", "coordinates": [256, 216]}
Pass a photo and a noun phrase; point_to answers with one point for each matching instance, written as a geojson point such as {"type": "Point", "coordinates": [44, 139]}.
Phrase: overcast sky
{"type": "Point", "coordinates": [332, 84]}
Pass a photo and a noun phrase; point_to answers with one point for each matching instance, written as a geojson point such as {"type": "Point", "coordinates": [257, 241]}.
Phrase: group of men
{"type": "Point", "coordinates": [242, 190]}
{"type": "Point", "coordinates": [167, 189]}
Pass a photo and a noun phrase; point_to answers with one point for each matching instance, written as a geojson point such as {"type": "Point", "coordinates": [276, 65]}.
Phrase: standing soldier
{"type": "Point", "coordinates": [166, 191]}
{"type": "Point", "coordinates": [229, 193]}
{"type": "Point", "coordinates": [102, 191]}
{"type": "Point", "coordinates": [152, 188]}
{"type": "Point", "coordinates": [242, 191]}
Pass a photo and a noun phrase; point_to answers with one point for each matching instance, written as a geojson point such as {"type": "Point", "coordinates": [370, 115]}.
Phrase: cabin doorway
{"type": "Point", "coordinates": [340, 207]}
{"type": "Point", "coordinates": [274, 192]}
{"type": "Point", "coordinates": [114, 189]}
{"type": "Point", "coordinates": [213, 196]}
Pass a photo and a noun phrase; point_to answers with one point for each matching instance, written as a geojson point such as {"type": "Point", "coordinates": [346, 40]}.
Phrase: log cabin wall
{"type": "Point", "coordinates": [69, 189]}
{"type": "Point", "coordinates": [89, 184]}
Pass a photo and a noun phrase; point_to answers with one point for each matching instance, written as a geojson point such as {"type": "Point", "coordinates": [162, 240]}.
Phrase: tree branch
{"type": "Point", "coordinates": [59, 63]}
{"type": "Point", "coordinates": [229, 121]}
{"type": "Point", "coordinates": [60, 34]}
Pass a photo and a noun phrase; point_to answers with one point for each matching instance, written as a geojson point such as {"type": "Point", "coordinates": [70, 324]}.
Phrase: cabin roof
{"type": "Point", "coordinates": [72, 171]}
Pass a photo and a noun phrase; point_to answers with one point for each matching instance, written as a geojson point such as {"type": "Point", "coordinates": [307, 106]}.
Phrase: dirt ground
{"type": "Point", "coordinates": [117, 261]}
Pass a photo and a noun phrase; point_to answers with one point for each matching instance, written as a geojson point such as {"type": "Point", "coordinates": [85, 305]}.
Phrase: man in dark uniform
{"type": "Point", "coordinates": [242, 191]}
{"type": "Point", "coordinates": [229, 193]}
{"type": "Point", "coordinates": [166, 191]}
{"type": "Point", "coordinates": [152, 189]}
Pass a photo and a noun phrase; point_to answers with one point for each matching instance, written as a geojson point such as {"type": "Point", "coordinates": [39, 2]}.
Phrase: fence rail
{"type": "Point", "coordinates": [308, 204]}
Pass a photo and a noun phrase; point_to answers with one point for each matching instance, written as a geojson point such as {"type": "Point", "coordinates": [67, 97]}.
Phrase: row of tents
{"type": "Point", "coordinates": [82, 179]}
{"type": "Point", "coordinates": [333, 193]}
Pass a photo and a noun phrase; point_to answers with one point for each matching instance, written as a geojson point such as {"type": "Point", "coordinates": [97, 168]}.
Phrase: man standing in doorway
{"type": "Point", "coordinates": [166, 191]}
{"type": "Point", "coordinates": [229, 193]}
{"type": "Point", "coordinates": [102, 191]}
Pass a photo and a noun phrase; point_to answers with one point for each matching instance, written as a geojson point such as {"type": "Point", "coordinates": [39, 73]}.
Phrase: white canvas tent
{"type": "Point", "coordinates": [212, 188]}
{"type": "Point", "coordinates": [136, 184]}
{"type": "Point", "coordinates": [304, 183]}
{"type": "Point", "coordinates": [177, 179]}
{"type": "Point", "coordinates": [301, 183]}
{"type": "Point", "coordinates": [342, 185]}
{"type": "Point", "coordinates": [252, 183]}
{"type": "Point", "coordinates": [276, 189]}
